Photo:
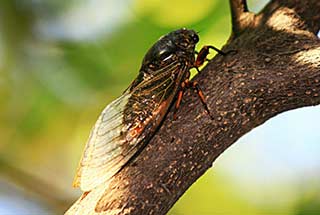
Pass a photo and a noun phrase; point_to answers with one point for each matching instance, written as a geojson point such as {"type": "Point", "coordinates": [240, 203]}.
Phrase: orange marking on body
{"type": "Point", "coordinates": [84, 195]}
{"type": "Point", "coordinates": [138, 129]}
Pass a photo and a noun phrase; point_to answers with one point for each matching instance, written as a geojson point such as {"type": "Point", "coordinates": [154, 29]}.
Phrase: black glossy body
{"type": "Point", "coordinates": [165, 66]}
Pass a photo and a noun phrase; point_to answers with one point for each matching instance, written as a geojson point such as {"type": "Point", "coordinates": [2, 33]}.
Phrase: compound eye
{"type": "Point", "coordinates": [195, 38]}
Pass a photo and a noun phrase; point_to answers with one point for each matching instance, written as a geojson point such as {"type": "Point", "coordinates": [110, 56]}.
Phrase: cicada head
{"type": "Point", "coordinates": [184, 39]}
{"type": "Point", "coordinates": [176, 45]}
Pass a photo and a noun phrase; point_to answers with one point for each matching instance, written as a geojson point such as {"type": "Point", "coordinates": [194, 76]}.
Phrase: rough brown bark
{"type": "Point", "coordinates": [276, 68]}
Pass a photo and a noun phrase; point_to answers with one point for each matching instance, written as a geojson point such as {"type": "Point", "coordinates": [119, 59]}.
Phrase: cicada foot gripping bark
{"type": "Point", "coordinates": [195, 86]}
{"type": "Point", "coordinates": [199, 61]}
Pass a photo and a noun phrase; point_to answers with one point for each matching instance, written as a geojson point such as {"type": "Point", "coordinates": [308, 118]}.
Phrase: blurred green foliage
{"type": "Point", "coordinates": [53, 87]}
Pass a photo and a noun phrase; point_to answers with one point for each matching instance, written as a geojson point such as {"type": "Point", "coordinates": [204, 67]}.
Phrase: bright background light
{"type": "Point", "coordinates": [61, 62]}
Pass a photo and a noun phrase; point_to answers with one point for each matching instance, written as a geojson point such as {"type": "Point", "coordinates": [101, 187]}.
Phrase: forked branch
{"type": "Point", "coordinates": [241, 18]}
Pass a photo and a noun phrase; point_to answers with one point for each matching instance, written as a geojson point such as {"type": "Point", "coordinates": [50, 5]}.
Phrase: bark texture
{"type": "Point", "coordinates": [276, 68]}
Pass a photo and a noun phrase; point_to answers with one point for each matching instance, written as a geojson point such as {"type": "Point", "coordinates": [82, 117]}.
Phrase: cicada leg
{"type": "Point", "coordinates": [201, 58]}
{"type": "Point", "coordinates": [195, 86]}
{"type": "Point", "coordinates": [180, 94]}
{"type": "Point", "coordinates": [178, 102]}
{"type": "Point", "coordinates": [202, 55]}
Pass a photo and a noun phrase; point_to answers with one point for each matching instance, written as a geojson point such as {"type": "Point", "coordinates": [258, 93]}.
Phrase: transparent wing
{"type": "Point", "coordinates": [123, 126]}
{"type": "Point", "coordinates": [103, 148]}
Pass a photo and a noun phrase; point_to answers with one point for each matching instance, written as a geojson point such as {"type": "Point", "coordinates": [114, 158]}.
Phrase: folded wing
{"type": "Point", "coordinates": [123, 127]}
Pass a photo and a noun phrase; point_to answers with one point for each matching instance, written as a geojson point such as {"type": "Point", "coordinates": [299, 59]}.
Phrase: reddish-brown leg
{"type": "Point", "coordinates": [180, 95]}
{"type": "Point", "coordinates": [202, 55]}
{"type": "Point", "coordinates": [196, 87]}
{"type": "Point", "coordinates": [177, 105]}
{"type": "Point", "coordinates": [201, 58]}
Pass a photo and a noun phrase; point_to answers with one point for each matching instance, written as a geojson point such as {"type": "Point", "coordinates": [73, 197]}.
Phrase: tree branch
{"type": "Point", "coordinates": [241, 18]}
{"type": "Point", "coordinates": [276, 68]}
{"type": "Point", "coordinates": [309, 11]}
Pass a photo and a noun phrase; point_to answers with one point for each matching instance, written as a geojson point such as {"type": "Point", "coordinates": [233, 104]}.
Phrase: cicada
{"type": "Point", "coordinates": [126, 124]}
